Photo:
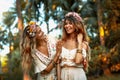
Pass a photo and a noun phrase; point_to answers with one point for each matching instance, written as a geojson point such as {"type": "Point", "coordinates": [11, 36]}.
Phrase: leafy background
{"type": "Point", "coordinates": [102, 21]}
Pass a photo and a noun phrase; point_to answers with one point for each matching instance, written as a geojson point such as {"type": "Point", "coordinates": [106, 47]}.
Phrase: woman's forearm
{"type": "Point", "coordinates": [78, 58]}
{"type": "Point", "coordinates": [79, 55]}
{"type": "Point", "coordinates": [53, 63]}
{"type": "Point", "coordinates": [58, 72]}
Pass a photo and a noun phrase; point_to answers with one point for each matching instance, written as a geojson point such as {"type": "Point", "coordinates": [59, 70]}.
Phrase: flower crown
{"type": "Point", "coordinates": [31, 29]}
{"type": "Point", "coordinates": [75, 15]}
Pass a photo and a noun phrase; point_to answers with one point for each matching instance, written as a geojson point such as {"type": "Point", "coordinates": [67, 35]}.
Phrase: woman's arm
{"type": "Point", "coordinates": [53, 62]}
{"type": "Point", "coordinates": [51, 65]}
{"type": "Point", "coordinates": [81, 54]}
{"type": "Point", "coordinates": [58, 71]}
{"type": "Point", "coordinates": [79, 57]}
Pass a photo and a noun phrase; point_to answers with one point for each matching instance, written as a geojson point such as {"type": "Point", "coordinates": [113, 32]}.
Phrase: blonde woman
{"type": "Point", "coordinates": [38, 52]}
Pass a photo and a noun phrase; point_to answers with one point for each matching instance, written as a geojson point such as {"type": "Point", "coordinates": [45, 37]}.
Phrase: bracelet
{"type": "Point", "coordinates": [79, 51]}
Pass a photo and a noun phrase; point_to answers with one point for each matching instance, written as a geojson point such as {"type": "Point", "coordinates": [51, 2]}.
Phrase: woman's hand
{"type": "Point", "coordinates": [44, 72]}
{"type": "Point", "coordinates": [59, 47]}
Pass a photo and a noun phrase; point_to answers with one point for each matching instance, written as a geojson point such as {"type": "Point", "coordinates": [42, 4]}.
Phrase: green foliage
{"type": "Point", "coordinates": [3, 38]}
{"type": "Point", "coordinates": [15, 71]}
{"type": "Point", "coordinates": [44, 10]}
{"type": "Point", "coordinates": [9, 18]}
{"type": "Point", "coordinates": [113, 38]}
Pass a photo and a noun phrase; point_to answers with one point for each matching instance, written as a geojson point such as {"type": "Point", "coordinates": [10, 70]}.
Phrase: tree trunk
{"type": "Point", "coordinates": [100, 23]}
{"type": "Point", "coordinates": [20, 21]}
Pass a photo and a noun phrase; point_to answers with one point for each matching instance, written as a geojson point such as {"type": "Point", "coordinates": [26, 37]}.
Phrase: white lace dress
{"type": "Point", "coordinates": [71, 73]}
{"type": "Point", "coordinates": [41, 61]}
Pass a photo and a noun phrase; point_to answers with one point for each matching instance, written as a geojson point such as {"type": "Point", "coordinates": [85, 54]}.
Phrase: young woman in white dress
{"type": "Point", "coordinates": [74, 49]}
{"type": "Point", "coordinates": [39, 50]}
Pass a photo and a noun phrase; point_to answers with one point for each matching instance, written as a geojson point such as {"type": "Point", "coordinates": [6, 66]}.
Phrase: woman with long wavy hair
{"type": "Point", "coordinates": [74, 49]}
{"type": "Point", "coordinates": [38, 53]}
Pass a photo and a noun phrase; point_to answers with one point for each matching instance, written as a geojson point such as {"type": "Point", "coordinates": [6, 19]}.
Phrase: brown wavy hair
{"type": "Point", "coordinates": [78, 24]}
{"type": "Point", "coordinates": [77, 21]}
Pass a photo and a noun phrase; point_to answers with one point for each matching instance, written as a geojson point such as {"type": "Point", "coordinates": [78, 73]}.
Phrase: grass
{"type": "Point", "coordinates": [106, 77]}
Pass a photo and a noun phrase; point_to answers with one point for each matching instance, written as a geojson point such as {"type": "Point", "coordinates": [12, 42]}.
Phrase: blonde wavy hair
{"type": "Point", "coordinates": [27, 46]}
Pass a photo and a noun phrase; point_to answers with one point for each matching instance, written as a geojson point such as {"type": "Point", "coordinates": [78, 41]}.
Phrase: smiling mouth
{"type": "Point", "coordinates": [67, 30]}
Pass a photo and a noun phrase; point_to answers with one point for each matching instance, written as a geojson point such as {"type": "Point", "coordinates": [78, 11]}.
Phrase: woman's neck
{"type": "Point", "coordinates": [72, 37]}
{"type": "Point", "coordinates": [42, 41]}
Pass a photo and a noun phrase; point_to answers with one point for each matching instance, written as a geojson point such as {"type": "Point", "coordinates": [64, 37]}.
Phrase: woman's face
{"type": "Point", "coordinates": [69, 27]}
{"type": "Point", "coordinates": [39, 33]}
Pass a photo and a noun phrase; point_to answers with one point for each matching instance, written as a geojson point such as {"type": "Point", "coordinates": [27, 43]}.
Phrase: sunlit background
{"type": "Point", "coordinates": [101, 19]}
{"type": "Point", "coordinates": [4, 6]}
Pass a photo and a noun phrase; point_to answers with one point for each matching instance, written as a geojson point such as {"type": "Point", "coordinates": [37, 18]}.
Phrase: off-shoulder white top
{"type": "Point", "coordinates": [67, 57]}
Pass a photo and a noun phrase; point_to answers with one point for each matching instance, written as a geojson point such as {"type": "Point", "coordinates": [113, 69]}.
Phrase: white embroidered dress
{"type": "Point", "coordinates": [70, 73]}
{"type": "Point", "coordinates": [41, 60]}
